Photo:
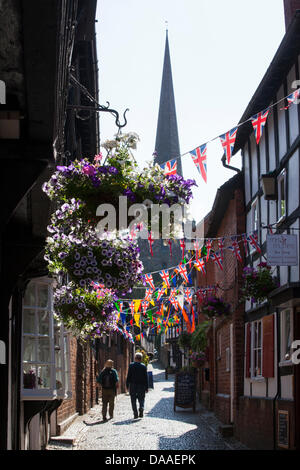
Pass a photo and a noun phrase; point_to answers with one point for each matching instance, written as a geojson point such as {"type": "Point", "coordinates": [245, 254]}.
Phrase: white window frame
{"type": "Point", "coordinates": [283, 336]}
{"type": "Point", "coordinates": [255, 349]}
{"type": "Point", "coordinates": [281, 178]}
{"type": "Point", "coordinates": [51, 392]}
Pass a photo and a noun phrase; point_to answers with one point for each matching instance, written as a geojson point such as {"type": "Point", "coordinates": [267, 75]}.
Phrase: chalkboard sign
{"type": "Point", "coordinates": [185, 390]}
{"type": "Point", "coordinates": [283, 429]}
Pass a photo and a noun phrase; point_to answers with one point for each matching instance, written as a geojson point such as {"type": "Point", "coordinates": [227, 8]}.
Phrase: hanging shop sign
{"type": "Point", "coordinates": [282, 250]}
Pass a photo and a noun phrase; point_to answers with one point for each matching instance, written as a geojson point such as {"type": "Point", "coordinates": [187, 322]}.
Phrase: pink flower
{"type": "Point", "coordinates": [98, 157]}
{"type": "Point", "coordinates": [88, 170]}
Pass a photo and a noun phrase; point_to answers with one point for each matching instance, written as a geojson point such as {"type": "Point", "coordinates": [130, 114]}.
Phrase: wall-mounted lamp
{"type": "Point", "coordinates": [268, 182]}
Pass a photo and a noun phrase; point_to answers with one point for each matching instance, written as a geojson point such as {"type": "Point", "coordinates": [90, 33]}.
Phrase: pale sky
{"type": "Point", "coordinates": [220, 51]}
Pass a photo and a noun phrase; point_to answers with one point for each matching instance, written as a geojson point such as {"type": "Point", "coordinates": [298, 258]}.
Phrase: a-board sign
{"type": "Point", "coordinates": [283, 429]}
{"type": "Point", "coordinates": [185, 390]}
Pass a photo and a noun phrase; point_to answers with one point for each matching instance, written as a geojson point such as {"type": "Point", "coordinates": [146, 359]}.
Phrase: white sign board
{"type": "Point", "coordinates": [282, 250]}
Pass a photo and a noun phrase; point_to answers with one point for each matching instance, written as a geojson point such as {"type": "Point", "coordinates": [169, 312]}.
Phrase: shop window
{"type": "Point", "coordinates": [45, 346]}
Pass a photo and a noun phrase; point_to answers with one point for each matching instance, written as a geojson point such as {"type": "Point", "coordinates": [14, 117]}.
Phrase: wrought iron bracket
{"type": "Point", "coordinates": [97, 107]}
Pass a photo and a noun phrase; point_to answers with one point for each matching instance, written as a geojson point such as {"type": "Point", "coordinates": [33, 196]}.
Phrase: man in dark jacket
{"type": "Point", "coordinates": [108, 379]}
{"type": "Point", "coordinates": [137, 383]}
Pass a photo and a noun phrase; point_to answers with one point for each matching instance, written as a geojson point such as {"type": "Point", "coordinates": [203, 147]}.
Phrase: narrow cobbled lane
{"type": "Point", "coordinates": [160, 429]}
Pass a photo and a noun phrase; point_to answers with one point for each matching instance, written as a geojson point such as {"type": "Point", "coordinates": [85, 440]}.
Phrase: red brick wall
{"type": "Point", "coordinates": [254, 424]}
{"type": "Point", "coordinates": [228, 280]}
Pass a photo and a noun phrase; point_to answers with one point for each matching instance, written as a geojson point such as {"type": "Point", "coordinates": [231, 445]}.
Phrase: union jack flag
{"type": "Point", "coordinates": [200, 265]}
{"type": "Point", "coordinates": [199, 158]}
{"type": "Point", "coordinates": [165, 277]}
{"type": "Point", "coordinates": [188, 295]}
{"type": "Point", "coordinates": [253, 240]}
{"type": "Point", "coordinates": [291, 98]}
{"type": "Point", "coordinates": [149, 279]}
{"type": "Point", "coordinates": [235, 248]}
{"type": "Point", "coordinates": [221, 246]}
{"type": "Point", "coordinates": [208, 248]}
{"type": "Point", "coordinates": [172, 298]}
{"type": "Point", "coordinates": [148, 294]}
{"type": "Point", "coordinates": [145, 304]}
{"type": "Point", "coordinates": [160, 293]}
{"type": "Point", "coordinates": [182, 270]}
{"type": "Point", "coordinates": [197, 248]}
{"type": "Point", "coordinates": [217, 258]}
{"type": "Point", "coordinates": [170, 167]}
{"type": "Point", "coordinates": [258, 122]}
{"type": "Point", "coordinates": [228, 141]}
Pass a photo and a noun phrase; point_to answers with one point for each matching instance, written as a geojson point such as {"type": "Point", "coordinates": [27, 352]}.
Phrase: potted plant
{"type": "Point", "coordinates": [258, 283]}
{"type": "Point", "coordinates": [213, 306]}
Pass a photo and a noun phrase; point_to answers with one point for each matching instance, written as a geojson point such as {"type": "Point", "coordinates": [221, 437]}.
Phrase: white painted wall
{"type": "Point", "coordinates": [272, 156]}
{"type": "Point", "coordinates": [293, 182]}
{"type": "Point", "coordinates": [247, 175]}
{"type": "Point", "coordinates": [255, 183]}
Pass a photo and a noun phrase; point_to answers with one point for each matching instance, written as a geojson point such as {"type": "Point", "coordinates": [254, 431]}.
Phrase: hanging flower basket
{"type": "Point", "coordinates": [112, 262]}
{"type": "Point", "coordinates": [198, 359]}
{"type": "Point", "coordinates": [184, 340]}
{"type": "Point", "coordinates": [258, 283]}
{"type": "Point", "coordinates": [92, 184]}
{"type": "Point", "coordinates": [213, 306]}
{"type": "Point", "coordinates": [86, 314]}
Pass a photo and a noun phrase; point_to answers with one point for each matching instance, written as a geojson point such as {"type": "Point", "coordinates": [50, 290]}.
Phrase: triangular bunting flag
{"type": "Point", "coordinates": [170, 167]}
{"type": "Point", "coordinates": [258, 122]}
{"type": "Point", "coordinates": [228, 141]}
{"type": "Point", "coordinates": [199, 158]}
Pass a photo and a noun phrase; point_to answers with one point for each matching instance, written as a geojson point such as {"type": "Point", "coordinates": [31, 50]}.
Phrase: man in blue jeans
{"type": "Point", "coordinates": [137, 383]}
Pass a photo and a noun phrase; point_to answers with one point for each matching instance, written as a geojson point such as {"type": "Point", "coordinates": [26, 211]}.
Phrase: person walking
{"type": "Point", "coordinates": [108, 379]}
{"type": "Point", "coordinates": [137, 384]}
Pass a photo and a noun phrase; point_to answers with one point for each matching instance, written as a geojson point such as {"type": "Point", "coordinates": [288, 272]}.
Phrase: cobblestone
{"type": "Point", "coordinates": [160, 429]}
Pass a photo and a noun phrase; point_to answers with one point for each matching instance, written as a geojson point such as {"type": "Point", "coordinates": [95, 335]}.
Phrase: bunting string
{"type": "Point", "coordinates": [199, 154]}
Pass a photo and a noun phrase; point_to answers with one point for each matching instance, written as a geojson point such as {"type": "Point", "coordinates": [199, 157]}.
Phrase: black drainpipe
{"type": "Point", "coordinates": [228, 166]}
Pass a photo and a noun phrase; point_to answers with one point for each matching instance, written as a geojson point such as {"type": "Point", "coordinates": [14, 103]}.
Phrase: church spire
{"type": "Point", "coordinates": [167, 141]}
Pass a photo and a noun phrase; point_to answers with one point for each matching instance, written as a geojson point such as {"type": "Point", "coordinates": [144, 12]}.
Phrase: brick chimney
{"type": "Point", "coordinates": [290, 7]}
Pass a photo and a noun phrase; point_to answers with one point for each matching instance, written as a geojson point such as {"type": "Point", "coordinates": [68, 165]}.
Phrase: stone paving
{"type": "Point", "coordinates": [160, 429]}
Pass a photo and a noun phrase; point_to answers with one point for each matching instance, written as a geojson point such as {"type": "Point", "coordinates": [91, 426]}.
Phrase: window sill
{"type": "Point", "coordinates": [47, 395]}
{"type": "Point", "coordinates": [257, 379]}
